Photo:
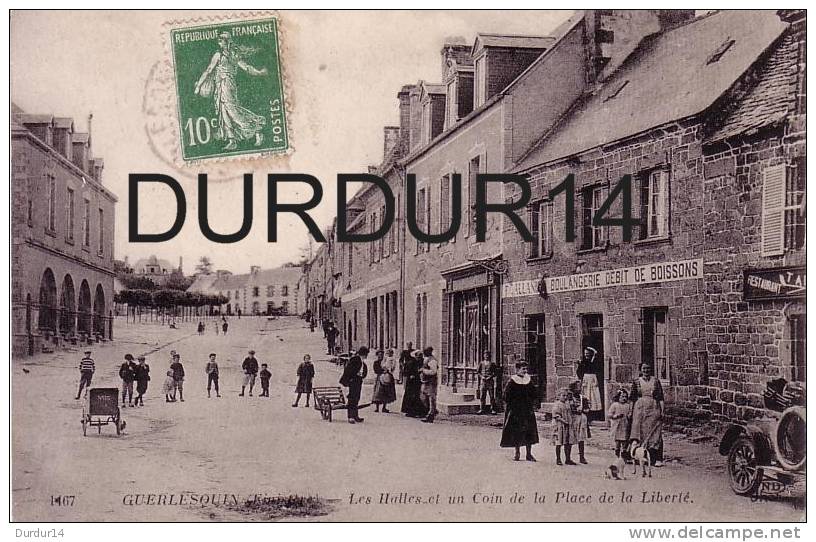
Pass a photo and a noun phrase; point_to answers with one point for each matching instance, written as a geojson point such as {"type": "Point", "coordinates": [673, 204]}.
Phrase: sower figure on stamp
{"type": "Point", "coordinates": [235, 123]}
{"type": "Point", "coordinates": [128, 374]}
{"type": "Point", "coordinates": [354, 373]}
{"type": "Point", "coordinates": [86, 371]}
{"type": "Point", "coordinates": [212, 375]}
{"type": "Point", "coordinates": [250, 367]}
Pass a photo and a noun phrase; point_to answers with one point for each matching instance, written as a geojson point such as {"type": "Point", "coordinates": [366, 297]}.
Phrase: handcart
{"type": "Point", "coordinates": [101, 409]}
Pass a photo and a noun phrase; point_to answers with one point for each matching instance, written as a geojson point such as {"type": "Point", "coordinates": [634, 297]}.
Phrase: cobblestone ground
{"type": "Point", "coordinates": [388, 468]}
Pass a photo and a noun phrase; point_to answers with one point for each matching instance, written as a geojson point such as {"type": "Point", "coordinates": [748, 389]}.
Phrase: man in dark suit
{"type": "Point", "coordinates": [353, 375]}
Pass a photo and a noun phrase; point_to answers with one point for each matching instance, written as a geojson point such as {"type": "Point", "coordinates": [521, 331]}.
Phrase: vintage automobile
{"type": "Point", "coordinates": [768, 454]}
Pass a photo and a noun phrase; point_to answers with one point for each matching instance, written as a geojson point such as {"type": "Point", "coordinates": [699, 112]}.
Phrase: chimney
{"type": "Point", "coordinates": [372, 170]}
{"type": "Point", "coordinates": [613, 34]}
{"type": "Point", "coordinates": [391, 137]}
{"type": "Point", "coordinates": [181, 267]}
{"type": "Point", "coordinates": [404, 96]}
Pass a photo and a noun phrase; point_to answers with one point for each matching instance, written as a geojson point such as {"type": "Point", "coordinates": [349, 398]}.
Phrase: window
{"type": "Point", "coordinates": [101, 247]}
{"type": "Point", "coordinates": [426, 122]}
{"type": "Point", "coordinates": [270, 291]}
{"type": "Point", "coordinates": [653, 346]}
{"type": "Point", "coordinates": [86, 224]}
{"type": "Point", "coordinates": [284, 290]}
{"type": "Point", "coordinates": [255, 292]}
{"type": "Point", "coordinates": [773, 210]}
{"type": "Point", "coordinates": [654, 191]}
{"type": "Point", "coordinates": [395, 228]}
{"type": "Point", "coordinates": [541, 226]}
{"type": "Point", "coordinates": [350, 259]}
{"type": "Point", "coordinates": [795, 206]}
{"type": "Point", "coordinates": [474, 168]}
{"type": "Point", "coordinates": [372, 225]}
{"type": "Point", "coordinates": [445, 204]}
{"type": "Point", "coordinates": [797, 338]}
{"type": "Point", "coordinates": [69, 219]}
{"type": "Point", "coordinates": [479, 89]}
{"type": "Point", "coordinates": [51, 196]}
{"type": "Point", "coordinates": [451, 104]}
{"type": "Point", "coordinates": [30, 211]}
{"type": "Point", "coordinates": [591, 236]}
{"type": "Point", "coordinates": [421, 212]}
{"type": "Point", "coordinates": [381, 240]}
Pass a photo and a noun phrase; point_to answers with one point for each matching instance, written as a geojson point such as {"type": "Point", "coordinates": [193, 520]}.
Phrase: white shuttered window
{"type": "Point", "coordinates": [773, 210]}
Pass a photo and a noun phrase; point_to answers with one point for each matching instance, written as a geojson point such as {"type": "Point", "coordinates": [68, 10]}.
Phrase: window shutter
{"type": "Point", "coordinates": [773, 211]}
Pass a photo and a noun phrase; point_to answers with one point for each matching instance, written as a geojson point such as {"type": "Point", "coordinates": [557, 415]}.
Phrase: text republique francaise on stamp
{"type": "Point", "coordinates": [229, 89]}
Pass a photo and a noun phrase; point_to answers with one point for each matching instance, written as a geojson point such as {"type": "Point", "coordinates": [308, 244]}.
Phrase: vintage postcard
{"type": "Point", "coordinates": [422, 266]}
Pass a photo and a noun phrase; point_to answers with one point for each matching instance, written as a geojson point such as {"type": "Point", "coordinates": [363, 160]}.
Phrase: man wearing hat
{"type": "Point", "coordinates": [142, 372]}
{"type": "Point", "coordinates": [250, 367]}
{"type": "Point", "coordinates": [86, 371]}
{"type": "Point", "coordinates": [127, 372]}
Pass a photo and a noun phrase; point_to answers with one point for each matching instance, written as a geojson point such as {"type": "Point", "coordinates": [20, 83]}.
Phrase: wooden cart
{"type": "Point", "coordinates": [101, 409]}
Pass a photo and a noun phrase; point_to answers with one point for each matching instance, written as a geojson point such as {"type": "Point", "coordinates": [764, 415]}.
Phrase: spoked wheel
{"type": "Point", "coordinates": [744, 472]}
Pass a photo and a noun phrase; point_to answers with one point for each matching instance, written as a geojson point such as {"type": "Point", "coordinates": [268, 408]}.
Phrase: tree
{"type": "Point", "coordinates": [204, 266]}
{"type": "Point", "coordinates": [177, 281]}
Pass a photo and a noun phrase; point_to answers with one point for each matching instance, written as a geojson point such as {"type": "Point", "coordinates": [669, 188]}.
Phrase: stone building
{"type": "Point", "coordinates": [261, 291]}
{"type": "Point", "coordinates": [705, 133]}
{"type": "Point", "coordinates": [62, 236]}
{"type": "Point", "coordinates": [158, 270]}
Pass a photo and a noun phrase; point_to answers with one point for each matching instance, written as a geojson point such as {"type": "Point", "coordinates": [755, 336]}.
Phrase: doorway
{"type": "Point", "coordinates": [537, 355]}
{"type": "Point", "coordinates": [592, 336]}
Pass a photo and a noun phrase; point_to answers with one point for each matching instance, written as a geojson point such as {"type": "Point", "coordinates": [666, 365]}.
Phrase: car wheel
{"type": "Point", "coordinates": [744, 472]}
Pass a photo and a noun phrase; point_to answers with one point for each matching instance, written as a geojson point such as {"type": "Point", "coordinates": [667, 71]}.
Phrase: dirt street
{"type": "Point", "coordinates": [183, 461]}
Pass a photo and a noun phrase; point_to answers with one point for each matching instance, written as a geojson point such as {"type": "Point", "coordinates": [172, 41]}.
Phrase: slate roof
{"type": "Point", "coordinates": [770, 100]}
{"type": "Point", "coordinates": [668, 77]}
{"type": "Point", "coordinates": [512, 40]}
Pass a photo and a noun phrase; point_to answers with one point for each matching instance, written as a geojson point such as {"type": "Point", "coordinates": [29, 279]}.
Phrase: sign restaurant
{"type": "Point", "coordinates": [624, 276]}
{"type": "Point", "coordinates": [779, 283]}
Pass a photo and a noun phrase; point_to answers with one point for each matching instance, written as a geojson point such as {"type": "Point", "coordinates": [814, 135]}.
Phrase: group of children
{"type": "Point", "coordinates": [570, 424]}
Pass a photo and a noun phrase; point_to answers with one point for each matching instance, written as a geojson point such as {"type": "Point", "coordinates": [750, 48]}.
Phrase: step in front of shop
{"type": "Point", "coordinates": [462, 402]}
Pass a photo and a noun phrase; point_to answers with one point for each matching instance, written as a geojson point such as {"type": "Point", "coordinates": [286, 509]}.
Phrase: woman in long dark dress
{"type": "Point", "coordinates": [520, 427]}
{"type": "Point", "coordinates": [647, 413]}
{"type": "Point", "coordinates": [384, 389]}
{"type": "Point", "coordinates": [412, 404]}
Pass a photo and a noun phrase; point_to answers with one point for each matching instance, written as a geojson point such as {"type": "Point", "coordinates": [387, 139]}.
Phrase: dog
{"type": "Point", "coordinates": [640, 456]}
{"type": "Point", "coordinates": [616, 470]}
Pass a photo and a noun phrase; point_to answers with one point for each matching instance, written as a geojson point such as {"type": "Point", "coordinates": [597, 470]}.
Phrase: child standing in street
{"type": "Point", "coordinates": [212, 375]}
{"type": "Point", "coordinates": [620, 413]}
{"type": "Point", "coordinates": [265, 376]}
{"type": "Point", "coordinates": [169, 387]}
{"type": "Point", "coordinates": [178, 377]}
{"type": "Point", "coordinates": [86, 371]}
{"type": "Point", "coordinates": [305, 374]}
{"type": "Point", "coordinates": [580, 409]}
{"type": "Point", "coordinates": [563, 434]}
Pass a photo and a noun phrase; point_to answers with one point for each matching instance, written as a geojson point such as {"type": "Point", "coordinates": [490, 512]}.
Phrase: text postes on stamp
{"type": "Point", "coordinates": [229, 89]}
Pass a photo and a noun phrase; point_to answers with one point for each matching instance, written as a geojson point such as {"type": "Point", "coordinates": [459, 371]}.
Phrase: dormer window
{"type": "Point", "coordinates": [426, 122]}
{"type": "Point", "coordinates": [480, 83]}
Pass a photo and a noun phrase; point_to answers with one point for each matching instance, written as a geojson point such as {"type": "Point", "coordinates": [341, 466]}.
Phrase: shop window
{"type": "Point", "coordinates": [654, 341]}
{"type": "Point", "coordinates": [591, 200]}
{"type": "Point", "coordinates": [541, 226]}
{"type": "Point", "coordinates": [654, 197]}
{"type": "Point", "coordinates": [797, 340]}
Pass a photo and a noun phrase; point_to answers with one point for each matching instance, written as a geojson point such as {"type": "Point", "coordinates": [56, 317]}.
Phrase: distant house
{"type": "Point", "coordinates": [261, 291]}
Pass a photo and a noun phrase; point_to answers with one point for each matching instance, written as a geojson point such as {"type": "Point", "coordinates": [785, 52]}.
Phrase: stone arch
{"type": "Point", "coordinates": [67, 305]}
{"type": "Point", "coordinates": [99, 310]}
{"type": "Point", "coordinates": [47, 319]}
{"type": "Point", "coordinates": [84, 308]}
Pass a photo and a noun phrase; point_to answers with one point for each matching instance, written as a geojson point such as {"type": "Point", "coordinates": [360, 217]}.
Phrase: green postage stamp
{"type": "Point", "coordinates": [229, 89]}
